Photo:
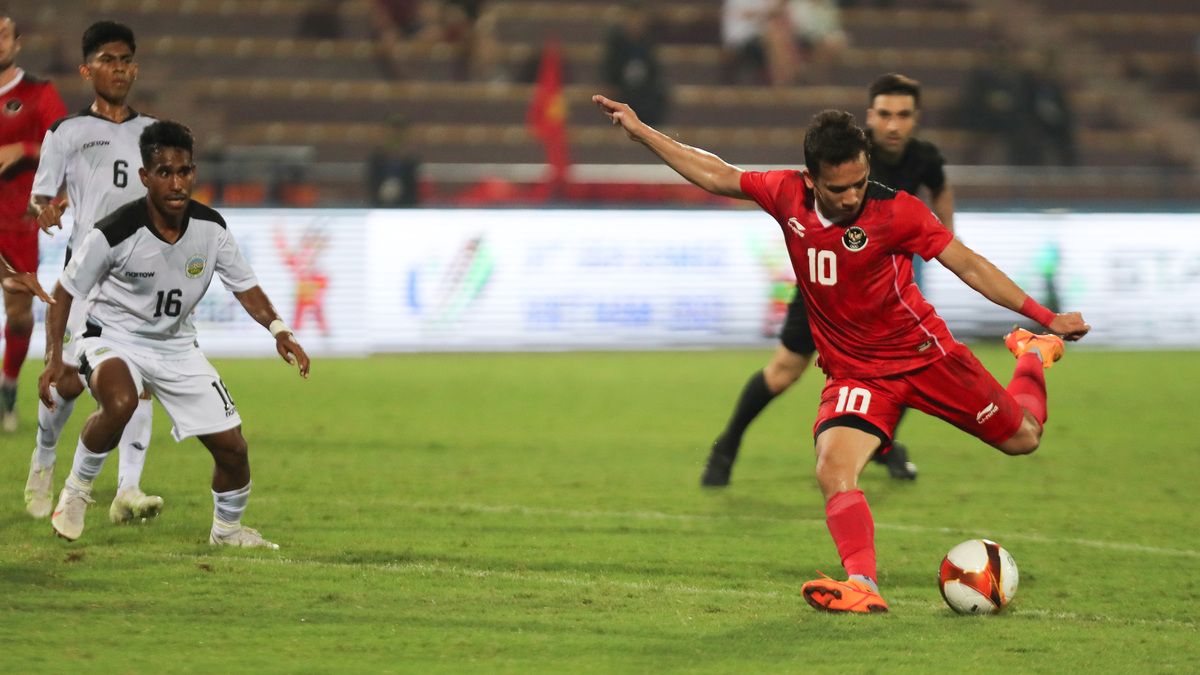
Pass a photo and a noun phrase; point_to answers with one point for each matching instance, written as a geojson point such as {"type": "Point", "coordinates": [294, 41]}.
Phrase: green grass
{"type": "Point", "coordinates": [541, 513]}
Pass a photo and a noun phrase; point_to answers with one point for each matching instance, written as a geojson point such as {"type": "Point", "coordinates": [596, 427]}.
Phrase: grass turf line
{"type": "Point", "coordinates": [536, 512]}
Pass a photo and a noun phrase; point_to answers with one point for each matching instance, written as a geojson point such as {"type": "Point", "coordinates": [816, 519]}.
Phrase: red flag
{"type": "Point", "coordinates": [547, 117]}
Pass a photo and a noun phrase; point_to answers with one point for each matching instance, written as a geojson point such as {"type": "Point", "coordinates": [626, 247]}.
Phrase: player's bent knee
{"type": "Point", "coordinates": [70, 384]}
{"type": "Point", "coordinates": [1026, 440]}
{"type": "Point", "coordinates": [228, 448]}
{"type": "Point", "coordinates": [119, 406]}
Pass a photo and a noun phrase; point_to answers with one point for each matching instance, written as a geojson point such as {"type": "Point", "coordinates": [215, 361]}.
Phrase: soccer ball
{"type": "Point", "coordinates": [978, 577]}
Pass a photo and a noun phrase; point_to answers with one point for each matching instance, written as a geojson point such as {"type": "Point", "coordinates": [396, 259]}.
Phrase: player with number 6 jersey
{"type": "Point", "coordinates": [94, 155]}
{"type": "Point", "coordinates": [97, 158]}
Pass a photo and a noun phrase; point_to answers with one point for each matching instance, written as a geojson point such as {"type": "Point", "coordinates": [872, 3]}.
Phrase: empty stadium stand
{"type": "Point", "coordinates": [240, 75]}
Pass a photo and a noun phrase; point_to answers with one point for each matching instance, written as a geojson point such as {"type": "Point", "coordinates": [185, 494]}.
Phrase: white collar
{"type": "Point", "coordinates": [15, 81]}
{"type": "Point", "coordinates": [825, 222]}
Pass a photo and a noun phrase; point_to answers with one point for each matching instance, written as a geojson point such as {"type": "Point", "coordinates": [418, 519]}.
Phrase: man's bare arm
{"type": "Point", "coordinates": [700, 167]}
{"type": "Point", "coordinates": [56, 327]}
{"type": "Point", "coordinates": [258, 306]}
{"type": "Point", "coordinates": [987, 279]}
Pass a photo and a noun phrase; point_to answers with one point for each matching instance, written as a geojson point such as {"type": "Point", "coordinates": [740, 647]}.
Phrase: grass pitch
{"type": "Point", "coordinates": [541, 513]}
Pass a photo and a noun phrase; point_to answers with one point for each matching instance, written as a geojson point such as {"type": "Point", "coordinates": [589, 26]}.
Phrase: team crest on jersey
{"type": "Point", "coordinates": [854, 239]}
{"type": "Point", "coordinates": [195, 266]}
{"type": "Point", "coordinates": [12, 106]}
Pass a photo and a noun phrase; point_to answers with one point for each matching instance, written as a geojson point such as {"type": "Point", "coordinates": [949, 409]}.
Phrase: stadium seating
{"type": "Point", "coordinates": [237, 71]}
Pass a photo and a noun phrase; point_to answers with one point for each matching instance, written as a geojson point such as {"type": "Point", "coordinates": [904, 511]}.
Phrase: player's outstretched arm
{"type": "Point", "coordinates": [56, 326]}
{"type": "Point", "coordinates": [259, 306]}
{"type": "Point", "coordinates": [21, 282]}
{"type": "Point", "coordinates": [980, 274]}
{"type": "Point", "coordinates": [700, 167]}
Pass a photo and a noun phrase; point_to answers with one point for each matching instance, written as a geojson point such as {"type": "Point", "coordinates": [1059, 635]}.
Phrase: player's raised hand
{"type": "Point", "coordinates": [619, 114]}
{"type": "Point", "coordinates": [291, 351]}
{"type": "Point", "coordinates": [26, 282]}
{"type": "Point", "coordinates": [50, 215]}
{"type": "Point", "coordinates": [48, 379]}
{"type": "Point", "coordinates": [1069, 325]}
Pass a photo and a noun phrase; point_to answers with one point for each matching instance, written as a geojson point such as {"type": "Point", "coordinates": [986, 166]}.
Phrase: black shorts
{"type": "Point", "coordinates": [796, 334]}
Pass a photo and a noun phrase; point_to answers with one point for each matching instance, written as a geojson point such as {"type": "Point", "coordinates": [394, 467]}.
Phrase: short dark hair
{"type": "Point", "coordinates": [16, 26]}
{"type": "Point", "coordinates": [833, 138]}
{"type": "Point", "coordinates": [161, 135]}
{"type": "Point", "coordinates": [103, 32]}
{"type": "Point", "coordinates": [895, 83]}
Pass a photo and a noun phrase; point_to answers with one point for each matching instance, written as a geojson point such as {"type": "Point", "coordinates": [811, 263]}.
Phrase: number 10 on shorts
{"type": "Point", "coordinates": [855, 400]}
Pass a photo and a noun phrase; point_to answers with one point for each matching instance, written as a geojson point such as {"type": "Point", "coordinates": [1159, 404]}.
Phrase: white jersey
{"type": "Point", "coordinates": [147, 288]}
{"type": "Point", "coordinates": [98, 159]}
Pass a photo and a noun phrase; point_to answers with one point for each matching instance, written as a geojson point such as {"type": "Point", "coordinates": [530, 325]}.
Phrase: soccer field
{"type": "Point", "coordinates": [541, 513]}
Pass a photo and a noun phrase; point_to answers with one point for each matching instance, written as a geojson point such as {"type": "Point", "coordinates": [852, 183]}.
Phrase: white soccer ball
{"type": "Point", "coordinates": [978, 577]}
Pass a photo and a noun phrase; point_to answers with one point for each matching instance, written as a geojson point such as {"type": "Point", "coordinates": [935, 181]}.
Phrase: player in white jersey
{"type": "Point", "coordinates": [95, 154]}
{"type": "Point", "coordinates": [150, 262]}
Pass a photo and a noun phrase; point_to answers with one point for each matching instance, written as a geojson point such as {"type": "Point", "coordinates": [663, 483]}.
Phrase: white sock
{"type": "Point", "coordinates": [50, 426]}
{"type": "Point", "coordinates": [131, 449]}
{"type": "Point", "coordinates": [228, 508]}
{"type": "Point", "coordinates": [87, 465]}
{"type": "Point", "coordinates": [867, 580]}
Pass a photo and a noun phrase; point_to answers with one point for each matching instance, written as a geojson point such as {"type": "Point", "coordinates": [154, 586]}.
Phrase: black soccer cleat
{"type": "Point", "coordinates": [716, 472]}
{"type": "Point", "coordinates": [897, 462]}
{"type": "Point", "coordinates": [720, 464]}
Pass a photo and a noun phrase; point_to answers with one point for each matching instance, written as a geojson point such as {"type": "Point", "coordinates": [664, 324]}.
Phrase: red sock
{"type": "Point", "coordinates": [16, 346]}
{"type": "Point", "coordinates": [1028, 386]}
{"type": "Point", "coordinates": [853, 529]}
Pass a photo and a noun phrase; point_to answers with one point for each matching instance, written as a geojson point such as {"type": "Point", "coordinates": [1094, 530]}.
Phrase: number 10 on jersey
{"type": "Point", "coordinates": [822, 267]}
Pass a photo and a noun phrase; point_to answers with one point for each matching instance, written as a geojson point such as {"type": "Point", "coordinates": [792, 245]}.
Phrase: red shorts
{"type": "Point", "coordinates": [19, 245]}
{"type": "Point", "coordinates": [956, 388]}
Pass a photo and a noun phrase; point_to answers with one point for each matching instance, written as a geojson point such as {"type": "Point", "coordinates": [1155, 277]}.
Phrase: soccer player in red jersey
{"type": "Point", "coordinates": [882, 345]}
{"type": "Point", "coordinates": [28, 106]}
{"type": "Point", "coordinates": [901, 161]}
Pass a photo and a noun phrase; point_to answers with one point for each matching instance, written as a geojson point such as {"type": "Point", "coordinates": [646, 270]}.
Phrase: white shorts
{"type": "Point", "coordinates": [76, 324]}
{"type": "Point", "coordinates": [186, 384]}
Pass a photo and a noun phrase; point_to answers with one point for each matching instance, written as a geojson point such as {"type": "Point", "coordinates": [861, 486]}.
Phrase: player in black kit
{"type": "Point", "coordinates": [900, 161]}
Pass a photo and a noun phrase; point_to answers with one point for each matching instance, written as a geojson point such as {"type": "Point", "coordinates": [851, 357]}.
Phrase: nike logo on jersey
{"type": "Point", "coordinates": [796, 227]}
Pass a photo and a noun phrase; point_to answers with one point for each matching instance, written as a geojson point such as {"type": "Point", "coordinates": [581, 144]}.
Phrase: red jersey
{"type": "Point", "coordinates": [28, 106]}
{"type": "Point", "coordinates": [868, 318]}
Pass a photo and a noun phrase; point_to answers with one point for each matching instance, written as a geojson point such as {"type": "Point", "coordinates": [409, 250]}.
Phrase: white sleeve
{"type": "Point", "coordinates": [233, 269]}
{"type": "Point", "coordinates": [88, 265]}
{"type": "Point", "coordinates": [52, 166]}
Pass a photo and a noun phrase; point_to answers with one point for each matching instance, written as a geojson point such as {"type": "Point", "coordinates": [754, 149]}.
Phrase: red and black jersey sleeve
{"type": "Point", "coordinates": [775, 191]}
{"type": "Point", "coordinates": [917, 230]}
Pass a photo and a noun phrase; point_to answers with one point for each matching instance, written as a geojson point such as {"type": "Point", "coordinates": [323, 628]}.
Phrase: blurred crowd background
{"type": "Point", "coordinates": [1082, 104]}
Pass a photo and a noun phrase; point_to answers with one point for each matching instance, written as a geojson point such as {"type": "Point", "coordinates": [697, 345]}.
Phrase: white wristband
{"type": "Point", "coordinates": [278, 326]}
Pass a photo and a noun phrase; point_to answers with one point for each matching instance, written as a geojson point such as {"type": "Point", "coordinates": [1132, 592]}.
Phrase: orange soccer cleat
{"type": "Point", "coordinates": [830, 595]}
{"type": "Point", "coordinates": [1020, 341]}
